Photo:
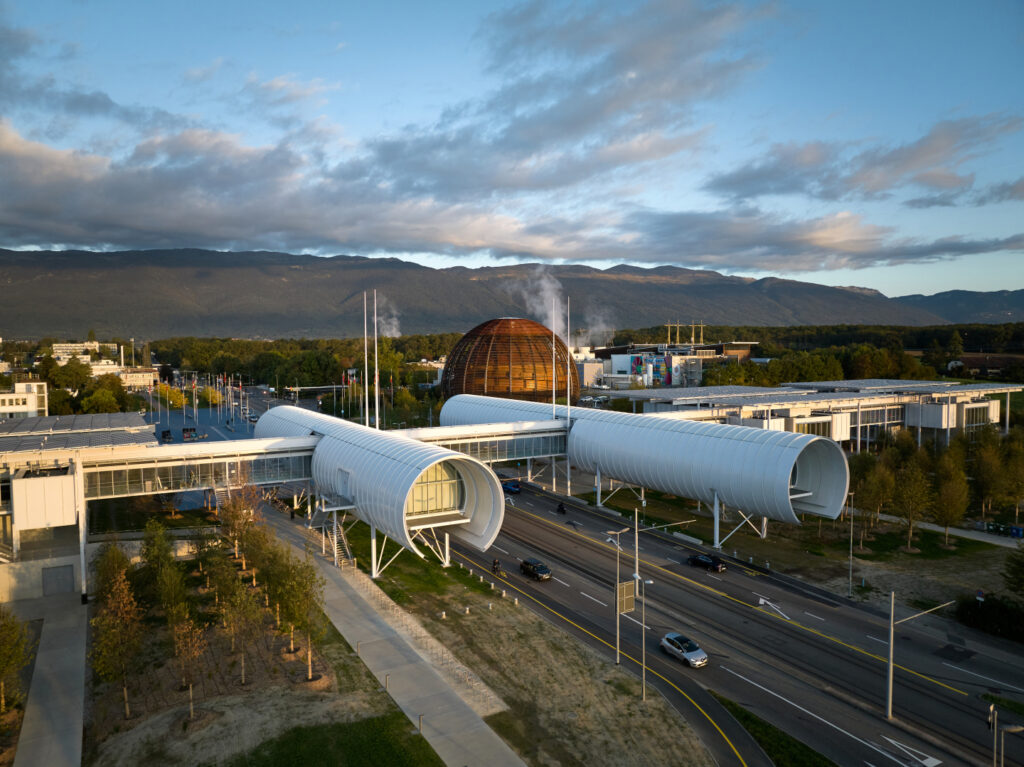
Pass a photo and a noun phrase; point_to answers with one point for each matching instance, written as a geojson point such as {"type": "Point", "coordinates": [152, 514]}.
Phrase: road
{"type": "Point", "coordinates": [812, 665]}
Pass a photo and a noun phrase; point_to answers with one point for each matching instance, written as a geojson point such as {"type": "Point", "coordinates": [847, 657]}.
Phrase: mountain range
{"type": "Point", "coordinates": [164, 293]}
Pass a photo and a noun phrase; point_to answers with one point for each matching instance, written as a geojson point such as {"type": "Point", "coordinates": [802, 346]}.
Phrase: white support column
{"type": "Point", "coordinates": [83, 530]}
{"type": "Point", "coordinates": [374, 573]}
{"type": "Point", "coordinates": [1006, 415]}
{"type": "Point", "coordinates": [529, 470]}
{"type": "Point", "coordinates": [447, 552]}
{"type": "Point", "coordinates": [764, 528]}
{"type": "Point", "coordinates": [309, 504]}
{"type": "Point", "coordinates": [568, 472]}
{"type": "Point", "coordinates": [718, 544]}
{"type": "Point", "coordinates": [597, 484]}
{"type": "Point", "coordinates": [858, 427]}
{"type": "Point", "coordinates": [334, 537]}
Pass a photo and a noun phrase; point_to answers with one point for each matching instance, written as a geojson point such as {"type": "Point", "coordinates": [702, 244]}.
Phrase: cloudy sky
{"type": "Point", "coordinates": [868, 143]}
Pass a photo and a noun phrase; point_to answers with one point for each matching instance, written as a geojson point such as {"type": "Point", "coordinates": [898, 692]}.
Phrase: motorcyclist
{"type": "Point", "coordinates": [561, 508]}
{"type": "Point", "coordinates": [495, 566]}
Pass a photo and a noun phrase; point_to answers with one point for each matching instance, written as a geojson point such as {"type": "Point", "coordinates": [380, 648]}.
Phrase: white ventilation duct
{"type": "Point", "coordinates": [396, 484]}
{"type": "Point", "coordinates": [778, 475]}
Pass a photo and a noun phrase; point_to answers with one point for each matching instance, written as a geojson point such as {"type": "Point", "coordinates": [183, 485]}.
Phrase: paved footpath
{"type": "Point", "coordinates": [455, 731]}
{"type": "Point", "coordinates": [51, 734]}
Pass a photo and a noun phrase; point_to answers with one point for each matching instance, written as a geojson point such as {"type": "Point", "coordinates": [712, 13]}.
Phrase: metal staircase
{"type": "Point", "coordinates": [328, 533]}
{"type": "Point", "coordinates": [222, 496]}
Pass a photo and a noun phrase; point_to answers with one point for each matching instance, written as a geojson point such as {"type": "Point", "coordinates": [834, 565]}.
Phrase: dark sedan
{"type": "Point", "coordinates": [709, 563]}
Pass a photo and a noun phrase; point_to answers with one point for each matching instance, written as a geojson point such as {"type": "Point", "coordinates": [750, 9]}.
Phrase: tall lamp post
{"type": "Point", "coordinates": [643, 637]}
{"type": "Point", "coordinates": [849, 510]}
{"type": "Point", "coordinates": [892, 636]}
{"type": "Point", "coordinates": [618, 611]}
{"type": "Point", "coordinates": [1011, 728]}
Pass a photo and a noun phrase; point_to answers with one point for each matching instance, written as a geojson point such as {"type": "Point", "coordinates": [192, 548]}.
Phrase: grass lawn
{"type": "Point", "coordinates": [383, 740]}
{"type": "Point", "coordinates": [784, 750]}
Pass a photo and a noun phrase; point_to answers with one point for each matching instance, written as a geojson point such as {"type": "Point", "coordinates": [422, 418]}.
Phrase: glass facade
{"type": "Point", "coordinates": [111, 483]}
{"type": "Point", "coordinates": [509, 448]}
{"type": "Point", "coordinates": [438, 489]}
{"type": "Point", "coordinates": [818, 428]}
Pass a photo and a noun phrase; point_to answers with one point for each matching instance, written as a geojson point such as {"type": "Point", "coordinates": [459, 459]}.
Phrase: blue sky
{"type": "Point", "coordinates": [877, 144]}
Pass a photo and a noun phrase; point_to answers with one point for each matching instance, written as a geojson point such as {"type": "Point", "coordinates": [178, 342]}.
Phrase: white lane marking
{"type": "Point", "coordinates": [500, 549]}
{"type": "Point", "coordinates": [916, 754]}
{"type": "Point", "coordinates": [813, 616]}
{"type": "Point", "coordinates": [980, 676]}
{"type": "Point", "coordinates": [528, 503]}
{"type": "Point", "coordinates": [638, 623]}
{"type": "Point", "coordinates": [797, 706]}
{"type": "Point", "coordinates": [762, 602]}
{"type": "Point", "coordinates": [714, 576]}
{"type": "Point", "coordinates": [876, 639]}
{"type": "Point", "coordinates": [595, 599]}
{"type": "Point", "coordinates": [559, 580]}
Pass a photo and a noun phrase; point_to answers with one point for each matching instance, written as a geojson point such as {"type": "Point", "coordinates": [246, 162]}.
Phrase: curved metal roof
{"type": "Point", "coordinates": [377, 471]}
{"type": "Point", "coordinates": [774, 474]}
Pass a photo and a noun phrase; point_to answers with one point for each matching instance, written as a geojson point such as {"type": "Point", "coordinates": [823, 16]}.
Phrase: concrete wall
{"type": "Point", "coordinates": [24, 579]}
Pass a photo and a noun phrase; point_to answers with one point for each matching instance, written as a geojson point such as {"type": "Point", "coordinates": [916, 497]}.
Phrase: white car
{"type": "Point", "coordinates": [684, 649]}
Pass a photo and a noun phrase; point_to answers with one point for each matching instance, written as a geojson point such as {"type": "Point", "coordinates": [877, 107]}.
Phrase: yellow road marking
{"type": "Point", "coordinates": [738, 601]}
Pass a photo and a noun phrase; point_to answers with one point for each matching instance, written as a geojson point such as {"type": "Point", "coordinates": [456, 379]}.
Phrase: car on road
{"type": "Point", "coordinates": [684, 648]}
{"type": "Point", "coordinates": [535, 569]}
{"type": "Point", "coordinates": [511, 486]}
{"type": "Point", "coordinates": [709, 563]}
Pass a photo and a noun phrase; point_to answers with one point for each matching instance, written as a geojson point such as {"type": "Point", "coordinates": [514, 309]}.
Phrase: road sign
{"type": "Point", "coordinates": [626, 597]}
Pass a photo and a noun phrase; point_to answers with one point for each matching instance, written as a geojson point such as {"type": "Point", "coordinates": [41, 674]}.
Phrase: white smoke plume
{"type": "Point", "coordinates": [543, 298]}
{"type": "Point", "coordinates": [387, 317]}
{"type": "Point", "coordinates": [597, 324]}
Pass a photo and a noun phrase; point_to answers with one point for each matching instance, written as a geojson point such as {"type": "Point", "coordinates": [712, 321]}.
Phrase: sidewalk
{"type": "Point", "coordinates": [51, 733]}
{"type": "Point", "coordinates": [451, 724]}
{"type": "Point", "coordinates": [960, 532]}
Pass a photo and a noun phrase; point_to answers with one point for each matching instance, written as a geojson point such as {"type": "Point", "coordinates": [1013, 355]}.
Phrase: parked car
{"type": "Point", "coordinates": [511, 486]}
{"type": "Point", "coordinates": [535, 569]}
{"type": "Point", "coordinates": [683, 648]}
{"type": "Point", "coordinates": [709, 563]}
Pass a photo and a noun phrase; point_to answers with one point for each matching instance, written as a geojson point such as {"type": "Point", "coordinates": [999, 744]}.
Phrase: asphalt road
{"type": "Point", "coordinates": [812, 665]}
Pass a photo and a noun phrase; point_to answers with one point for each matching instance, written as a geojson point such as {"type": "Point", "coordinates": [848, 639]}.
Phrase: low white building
{"type": "Point", "coordinates": [25, 400]}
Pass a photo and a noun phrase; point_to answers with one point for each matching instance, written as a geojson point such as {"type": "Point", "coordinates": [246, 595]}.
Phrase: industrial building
{"type": "Point", "coordinates": [654, 365]}
{"type": "Point", "coordinates": [852, 413]}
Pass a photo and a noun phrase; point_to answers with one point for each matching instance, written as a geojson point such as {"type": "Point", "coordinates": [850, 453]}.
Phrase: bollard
{"type": "Point", "coordinates": [481, 579]}
{"type": "Point", "coordinates": [357, 647]}
{"type": "Point", "coordinates": [751, 560]}
{"type": "Point", "coordinates": [515, 600]}
{"type": "Point", "coordinates": [467, 610]}
{"type": "Point", "coordinates": [767, 565]}
{"type": "Point", "coordinates": [493, 587]}
{"type": "Point", "coordinates": [490, 605]}
{"type": "Point", "coordinates": [443, 616]}
{"type": "Point", "coordinates": [734, 553]}
{"type": "Point", "coordinates": [387, 682]}
{"type": "Point", "coordinates": [421, 724]}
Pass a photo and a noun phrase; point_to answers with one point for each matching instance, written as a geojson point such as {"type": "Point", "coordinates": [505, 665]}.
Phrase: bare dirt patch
{"type": "Point", "coordinates": [567, 705]}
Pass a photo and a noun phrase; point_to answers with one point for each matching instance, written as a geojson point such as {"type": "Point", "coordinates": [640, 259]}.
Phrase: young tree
{"type": "Point", "coordinates": [1013, 461]}
{"type": "Point", "coordinates": [913, 497]}
{"type": "Point", "coordinates": [304, 606]}
{"type": "Point", "coordinates": [876, 492]}
{"type": "Point", "coordinates": [951, 497]}
{"type": "Point", "coordinates": [189, 645]}
{"type": "Point", "coordinates": [989, 475]}
{"type": "Point", "coordinates": [242, 617]}
{"type": "Point", "coordinates": [170, 587]}
{"type": "Point", "coordinates": [15, 654]}
{"type": "Point", "coordinates": [109, 563]}
{"type": "Point", "coordinates": [118, 635]}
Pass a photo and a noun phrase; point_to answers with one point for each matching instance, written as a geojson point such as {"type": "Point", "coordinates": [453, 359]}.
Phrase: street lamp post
{"type": "Point", "coordinates": [618, 548]}
{"type": "Point", "coordinates": [849, 510]}
{"type": "Point", "coordinates": [643, 637]}
{"type": "Point", "coordinates": [892, 635]}
{"type": "Point", "coordinates": [1011, 728]}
